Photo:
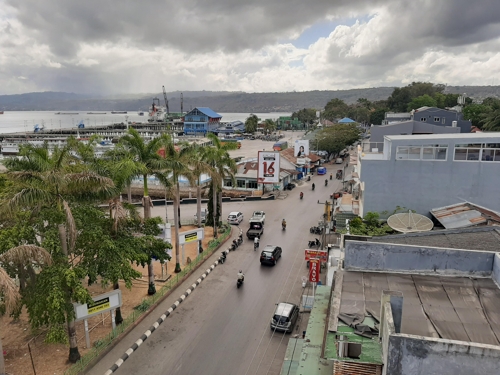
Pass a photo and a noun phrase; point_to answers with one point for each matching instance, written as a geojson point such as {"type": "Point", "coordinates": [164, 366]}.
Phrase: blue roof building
{"type": "Point", "coordinates": [346, 120]}
{"type": "Point", "coordinates": [201, 120]}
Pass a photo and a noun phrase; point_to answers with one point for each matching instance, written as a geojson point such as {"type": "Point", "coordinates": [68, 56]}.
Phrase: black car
{"type": "Point", "coordinates": [270, 255]}
{"type": "Point", "coordinates": [290, 186]}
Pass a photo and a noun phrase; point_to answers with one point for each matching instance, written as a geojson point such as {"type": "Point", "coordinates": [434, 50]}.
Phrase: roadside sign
{"type": "Point", "coordinates": [191, 235]}
{"type": "Point", "coordinates": [322, 255]}
{"type": "Point", "coordinates": [102, 303]}
{"type": "Point", "coordinates": [268, 167]}
{"type": "Point", "coordinates": [314, 270]}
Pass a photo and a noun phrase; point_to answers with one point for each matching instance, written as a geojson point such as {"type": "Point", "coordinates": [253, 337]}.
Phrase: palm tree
{"type": "Point", "coordinates": [491, 120]}
{"type": "Point", "coordinates": [251, 124]}
{"type": "Point", "coordinates": [43, 179]}
{"type": "Point", "coordinates": [146, 162]}
{"type": "Point", "coordinates": [269, 126]}
{"type": "Point", "coordinates": [178, 163]}
{"type": "Point", "coordinates": [218, 158]}
{"type": "Point", "coordinates": [21, 255]}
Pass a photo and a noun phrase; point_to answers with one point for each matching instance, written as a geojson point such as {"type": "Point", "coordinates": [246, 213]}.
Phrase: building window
{"type": "Point", "coordinates": [240, 183]}
{"type": "Point", "coordinates": [443, 120]}
{"type": "Point", "coordinates": [423, 119]}
{"type": "Point", "coordinates": [228, 183]}
{"type": "Point", "coordinates": [437, 152]}
{"type": "Point", "coordinates": [436, 119]}
{"type": "Point", "coordinates": [252, 184]}
{"type": "Point", "coordinates": [467, 152]}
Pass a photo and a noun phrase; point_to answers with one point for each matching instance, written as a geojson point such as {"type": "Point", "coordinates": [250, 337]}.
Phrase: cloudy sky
{"type": "Point", "coordinates": [132, 46]}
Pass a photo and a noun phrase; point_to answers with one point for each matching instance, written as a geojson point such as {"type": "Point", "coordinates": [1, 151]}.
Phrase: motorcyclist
{"type": "Point", "coordinates": [313, 186]}
{"type": "Point", "coordinates": [326, 182]}
{"type": "Point", "coordinates": [283, 224]}
{"type": "Point", "coordinates": [301, 195]}
{"type": "Point", "coordinates": [256, 242]}
{"type": "Point", "coordinates": [241, 276]}
{"type": "Point", "coordinates": [331, 176]}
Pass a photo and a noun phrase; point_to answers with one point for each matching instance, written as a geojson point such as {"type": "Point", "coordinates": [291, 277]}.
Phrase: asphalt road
{"type": "Point", "coordinates": [220, 329]}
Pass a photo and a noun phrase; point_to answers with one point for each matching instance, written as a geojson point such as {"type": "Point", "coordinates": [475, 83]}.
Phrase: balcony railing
{"type": "Point", "coordinates": [372, 147]}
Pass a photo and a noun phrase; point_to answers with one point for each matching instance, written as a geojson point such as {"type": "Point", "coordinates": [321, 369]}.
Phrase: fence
{"type": "Point", "coordinates": [144, 306]}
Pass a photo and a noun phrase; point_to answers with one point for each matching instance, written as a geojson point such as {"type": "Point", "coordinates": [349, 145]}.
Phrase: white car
{"type": "Point", "coordinates": [235, 217]}
{"type": "Point", "coordinates": [259, 215]}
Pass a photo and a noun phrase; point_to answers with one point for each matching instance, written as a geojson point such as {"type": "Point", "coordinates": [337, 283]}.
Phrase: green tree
{"type": "Point", "coordinates": [306, 115]}
{"type": "Point", "coordinates": [476, 113]}
{"type": "Point", "coordinates": [402, 96]}
{"type": "Point", "coordinates": [422, 101]}
{"type": "Point", "coordinates": [269, 126]}
{"type": "Point", "coordinates": [378, 115]}
{"type": "Point", "coordinates": [251, 124]}
{"type": "Point", "coordinates": [178, 162]}
{"type": "Point", "coordinates": [43, 178]}
{"type": "Point", "coordinates": [335, 109]}
{"type": "Point", "coordinates": [335, 138]}
{"type": "Point", "coordinates": [146, 162]}
{"type": "Point", "coordinates": [217, 157]}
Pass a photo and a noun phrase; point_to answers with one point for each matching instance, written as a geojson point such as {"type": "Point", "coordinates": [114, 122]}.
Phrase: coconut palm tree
{"type": "Point", "coordinates": [147, 161]}
{"type": "Point", "coordinates": [24, 255]}
{"type": "Point", "coordinates": [217, 157]}
{"type": "Point", "coordinates": [178, 161]}
{"type": "Point", "coordinates": [43, 178]}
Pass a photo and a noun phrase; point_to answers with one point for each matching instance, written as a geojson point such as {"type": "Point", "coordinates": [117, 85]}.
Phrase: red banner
{"type": "Point", "coordinates": [319, 254]}
{"type": "Point", "coordinates": [314, 270]}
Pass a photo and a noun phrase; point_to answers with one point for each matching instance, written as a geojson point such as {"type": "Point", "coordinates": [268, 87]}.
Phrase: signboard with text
{"type": "Point", "coordinates": [268, 167]}
{"type": "Point", "coordinates": [191, 236]}
{"type": "Point", "coordinates": [102, 303]}
{"type": "Point", "coordinates": [322, 255]}
{"type": "Point", "coordinates": [314, 270]}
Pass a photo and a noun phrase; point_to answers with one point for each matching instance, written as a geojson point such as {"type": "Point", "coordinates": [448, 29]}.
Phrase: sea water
{"type": "Point", "coordinates": [25, 121]}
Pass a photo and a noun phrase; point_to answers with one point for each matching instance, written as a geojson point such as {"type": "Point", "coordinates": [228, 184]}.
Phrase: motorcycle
{"type": "Point", "coordinates": [240, 281]}
{"type": "Point", "coordinates": [331, 177]}
{"type": "Point", "coordinates": [313, 243]}
{"type": "Point", "coordinates": [255, 246]}
{"type": "Point", "coordinates": [316, 230]}
{"type": "Point", "coordinates": [326, 182]}
{"type": "Point", "coordinates": [283, 226]}
{"type": "Point", "coordinates": [234, 245]}
{"type": "Point", "coordinates": [222, 258]}
{"type": "Point", "coordinates": [301, 195]}
{"type": "Point", "coordinates": [240, 240]}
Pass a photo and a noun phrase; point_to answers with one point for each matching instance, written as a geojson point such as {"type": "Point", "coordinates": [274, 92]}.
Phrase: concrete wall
{"type": "Point", "coordinates": [377, 133]}
{"type": "Point", "coordinates": [409, 354]}
{"type": "Point", "coordinates": [496, 269]}
{"type": "Point", "coordinates": [370, 256]}
{"type": "Point", "coordinates": [450, 116]}
{"type": "Point", "coordinates": [423, 185]}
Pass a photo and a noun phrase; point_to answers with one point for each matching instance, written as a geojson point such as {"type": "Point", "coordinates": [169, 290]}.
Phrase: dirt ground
{"type": "Point", "coordinates": [52, 359]}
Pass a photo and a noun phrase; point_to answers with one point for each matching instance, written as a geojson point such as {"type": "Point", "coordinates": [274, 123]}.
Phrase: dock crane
{"type": "Point", "coordinates": [166, 101]}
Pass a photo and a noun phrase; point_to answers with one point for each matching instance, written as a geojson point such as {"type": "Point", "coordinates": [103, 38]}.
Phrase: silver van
{"type": "Point", "coordinates": [285, 317]}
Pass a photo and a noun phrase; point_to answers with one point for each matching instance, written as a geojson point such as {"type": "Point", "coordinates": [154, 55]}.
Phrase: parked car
{"type": "Point", "coordinates": [339, 161]}
{"type": "Point", "coordinates": [289, 186]}
{"type": "Point", "coordinates": [203, 216]}
{"type": "Point", "coordinates": [270, 255]}
{"type": "Point", "coordinates": [235, 217]}
{"type": "Point", "coordinates": [285, 316]}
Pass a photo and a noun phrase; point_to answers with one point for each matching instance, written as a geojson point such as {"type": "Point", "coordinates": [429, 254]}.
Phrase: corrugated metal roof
{"type": "Point", "coordinates": [208, 112]}
{"type": "Point", "coordinates": [463, 215]}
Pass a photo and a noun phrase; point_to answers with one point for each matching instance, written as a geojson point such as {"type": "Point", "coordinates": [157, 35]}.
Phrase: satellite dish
{"type": "Point", "coordinates": [410, 222]}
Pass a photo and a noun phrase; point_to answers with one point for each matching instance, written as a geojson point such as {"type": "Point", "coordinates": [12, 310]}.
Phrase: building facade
{"type": "Point", "coordinates": [200, 121]}
{"type": "Point", "coordinates": [433, 116]}
{"type": "Point", "coordinates": [421, 172]}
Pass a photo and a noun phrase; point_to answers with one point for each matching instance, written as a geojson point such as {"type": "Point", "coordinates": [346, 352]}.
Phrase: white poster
{"type": "Point", "coordinates": [301, 148]}
{"type": "Point", "coordinates": [269, 167]}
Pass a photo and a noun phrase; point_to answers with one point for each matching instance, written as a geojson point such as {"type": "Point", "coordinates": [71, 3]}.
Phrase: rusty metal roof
{"type": "Point", "coordinates": [465, 214]}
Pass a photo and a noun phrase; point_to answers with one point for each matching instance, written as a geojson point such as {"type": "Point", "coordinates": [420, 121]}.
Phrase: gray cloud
{"type": "Point", "coordinates": [131, 46]}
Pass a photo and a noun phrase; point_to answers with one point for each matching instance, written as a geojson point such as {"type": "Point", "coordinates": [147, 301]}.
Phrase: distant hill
{"type": "Point", "coordinates": [220, 101]}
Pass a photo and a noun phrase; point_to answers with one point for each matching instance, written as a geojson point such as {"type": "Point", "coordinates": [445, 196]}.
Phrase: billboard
{"type": "Point", "coordinates": [301, 148]}
{"type": "Point", "coordinates": [322, 255]}
{"type": "Point", "coordinates": [268, 167]}
{"type": "Point", "coordinates": [314, 270]}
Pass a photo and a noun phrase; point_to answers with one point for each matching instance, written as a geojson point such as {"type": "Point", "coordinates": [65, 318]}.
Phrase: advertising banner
{"type": "Point", "coordinates": [322, 255]}
{"type": "Point", "coordinates": [191, 235]}
{"type": "Point", "coordinates": [301, 148]}
{"type": "Point", "coordinates": [268, 167]}
{"type": "Point", "coordinates": [314, 270]}
{"type": "Point", "coordinates": [102, 303]}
